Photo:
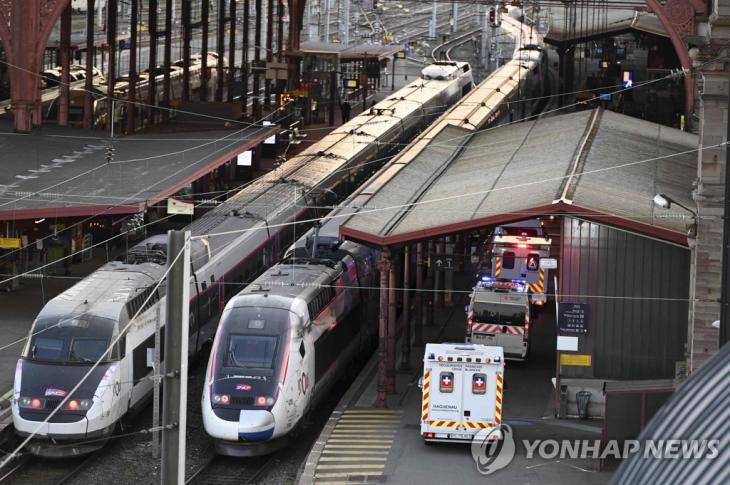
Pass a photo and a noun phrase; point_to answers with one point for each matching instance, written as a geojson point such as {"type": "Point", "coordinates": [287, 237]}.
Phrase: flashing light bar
{"type": "Point", "coordinates": [487, 282]}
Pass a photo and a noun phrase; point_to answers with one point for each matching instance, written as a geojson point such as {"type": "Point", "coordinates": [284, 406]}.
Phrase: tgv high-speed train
{"type": "Point", "coordinates": [74, 329]}
{"type": "Point", "coordinates": [284, 340]}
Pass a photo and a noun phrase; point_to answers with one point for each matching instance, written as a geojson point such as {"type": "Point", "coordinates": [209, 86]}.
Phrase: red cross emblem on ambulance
{"type": "Point", "coordinates": [447, 382]}
{"type": "Point", "coordinates": [479, 384]}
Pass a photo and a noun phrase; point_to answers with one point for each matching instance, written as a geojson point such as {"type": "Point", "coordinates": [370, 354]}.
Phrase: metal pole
{"type": "Point", "coordinates": [257, 59]}
{"type": "Point", "coordinates": [156, 370]}
{"type": "Point", "coordinates": [725, 289]}
{"type": "Point", "coordinates": [65, 51]}
{"type": "Point", "coordinates": [418, 298]}
{"type": "Point", "coordinates": [152, 67]}
{"type": "Point", "coordinates": [327, 20]}
{"type": "Point", "coordinates": [346, 23]}
{"type": "Point", "coordinates": [220, 47]}
{"type": "Point", "coordinates": [204, 74]}
{"type": "Point", "coordinates": [557, 352]}
{"type": "Point", "coordinates": [244, 63]}
{"type": "Point", "coordinates": [174, 400]}
{"type": "Point", "coordinates": [166, 87]}
{"type": "Point", "coordinates": [392, 327]}
{"type": "Point", "coordinates": [406, 343]}
{"type": "Point", "coordinates": [432, 26]}
{"type": "Point", "coordinates": [231, 50]}
{"type": "Point", "coordinates": [392, 81]}
{"type": "Point", "coordinates": [111, 40]}
{"type": "Point", "coordinates": [132, 106]}
{"type": "Point", "coordinates": [384, 268]}
{"type": "Point", "coordinates": [90, 55]}
{"type": "Point", "coordinates": [187, 39]}
{"type": "Point", "coordinates": [269, 48]}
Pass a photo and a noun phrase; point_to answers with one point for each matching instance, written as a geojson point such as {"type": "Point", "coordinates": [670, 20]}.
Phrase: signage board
{"type": "Point", "coordinates": [578, 360]}
{"type": "Point", "coordinates": [548, 263]}
{"type": "Point", "coordinates": [175, 206]}
{"type": "Point", "coordinates": [567, 344]}
{"type": "Point", "coordinates": [573, 318]}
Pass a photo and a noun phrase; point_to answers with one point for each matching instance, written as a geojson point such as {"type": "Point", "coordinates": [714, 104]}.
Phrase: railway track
{"type": "Point", "coordinates": [448, 46]}
{"type": "Point", "coordinates": [38, 471]}
{"type": "Point", "coordinates": [223, 470]}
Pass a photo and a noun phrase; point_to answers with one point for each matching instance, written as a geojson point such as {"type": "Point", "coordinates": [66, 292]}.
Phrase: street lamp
{"type": "Point", "coordinates": [665, 202]}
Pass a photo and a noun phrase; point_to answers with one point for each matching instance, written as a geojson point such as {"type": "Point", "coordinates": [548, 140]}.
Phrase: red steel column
{"type": "Point", "coordinates": [406, 343]}
{"type": "Point", "coordinates": [418, 298]}
{"type": "Point", "coordinates": [232, 50]}
{"type": "Point", "coordinates": [187, 39]}
{"type": "Point", "coordinates": [152, 87]}
{"type": "Point", "coordinates": [244, 64]}
{"type": "Point", "coordinates": [430, 294]}
{"type": "Point", "coordinates": [221, 48]}
{"type": "Point", "coordinates": [132, 105]}
{"type": "Point", "coordinates": [392, 328]}
{"type": "Point", "coordinates": [269, 48]}
{"type": "Point", "coordinates": [204, 72]}
{"type": "Point", "coordinates": [63, 89]}
{"type": "Point", "coordinates": [384, 265]}
{"type": "Point", "coordinates": [279, 40]}
{"type": "Point", "coordinates": [90, 55]}
{"type": "Point", "coordinates": [166, 88]}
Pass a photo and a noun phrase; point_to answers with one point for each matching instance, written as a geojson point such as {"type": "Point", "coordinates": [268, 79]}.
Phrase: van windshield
{"type": "Point", "coordinates": [499, 314]}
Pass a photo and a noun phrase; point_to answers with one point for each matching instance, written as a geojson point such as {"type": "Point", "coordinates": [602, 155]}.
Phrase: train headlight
{"type": "Point", "coordinates": [78, 405]}
{"type": "Point", "coordinates": [265, 401]}
{"type": "Point", "coordinates": [31, 403]}
{"type": "Point", "coordinates": [221, 399]}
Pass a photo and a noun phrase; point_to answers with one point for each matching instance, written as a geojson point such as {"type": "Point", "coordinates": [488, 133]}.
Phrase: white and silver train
{"type": "Point", "coordinates": [285, 339]}
{"type": "Point", "coordinates": [74, 329]}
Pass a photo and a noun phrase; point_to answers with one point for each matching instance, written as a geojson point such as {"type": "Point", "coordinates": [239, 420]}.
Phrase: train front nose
{"type": "Point", "coordinates": [255, 425]}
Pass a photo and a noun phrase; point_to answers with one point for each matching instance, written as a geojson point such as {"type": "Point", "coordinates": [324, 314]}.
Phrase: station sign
{"type": "Point", "coordinates": [175, 206]}
{"type": "Point", "coordinates": [10, 243]}
{"type": "Point", "coordinates": [573, 318]}
{"type": "Point", "coordinates": [400, 55]}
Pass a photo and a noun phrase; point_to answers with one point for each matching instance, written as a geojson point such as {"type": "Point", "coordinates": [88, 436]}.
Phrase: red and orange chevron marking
{"type": "Point", "coordinates": [497, 267]}
{"type": "Point", "coordinates": [444, 424]}
{"type": "Point", "coordinates": [426, 392]}
{"type": "Point", "coordinates": [498, 402]}
{"type": "Point", "coordinates": [540, 285]}
{"type": "Point", "coordinates": [477, 424]}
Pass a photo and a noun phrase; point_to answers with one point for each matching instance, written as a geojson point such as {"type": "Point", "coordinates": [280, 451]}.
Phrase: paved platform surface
{"type": "Point", "coordinates": [363, 444]}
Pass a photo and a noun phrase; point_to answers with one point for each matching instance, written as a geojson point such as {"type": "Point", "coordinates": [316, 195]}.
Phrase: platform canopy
{"type": "Point", "coordinates": [598, 165]}
{"type": "Point", "coordinates": [597, 24]}
{"type": "Point", "coordinates": [58, 173]}
{"type": "Point", "coordinates": [352, 52]}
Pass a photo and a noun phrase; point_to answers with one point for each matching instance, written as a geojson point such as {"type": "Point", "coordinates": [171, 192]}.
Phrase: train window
{"type": "Point", "coordinates": [212, 278]}
{"type": "Point", "coordinates": [466, 68]}
{"type": "Point", "coordinates": [251, 351]}
{"type": "Point", "coordinates": [204, 285]}
{"type": "Point", "coordinates": [508, 260]}
{"type": "Point", "coordinates": [301, 349]}
{"type": "Point", "coordinates": [87, 350]}
{"type": "Point", "coordinates": [47, 349]}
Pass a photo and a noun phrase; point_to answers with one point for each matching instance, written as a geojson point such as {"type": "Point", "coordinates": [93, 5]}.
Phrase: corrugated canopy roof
{"type": "Point", "coordinates": [596, 164]}
{"type": "Point", "coordinates": [348, 52]}
{"type": "Point", "coordinates": [599, 23]}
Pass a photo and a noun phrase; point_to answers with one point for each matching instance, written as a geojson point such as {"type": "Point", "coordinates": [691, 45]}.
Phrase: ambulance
{"type": "Point", "coordinates": [500, 316]}
{"type": "Point", "coordinates": [461, 392]}
{"type": "Point", "coordinates": [513, 253]}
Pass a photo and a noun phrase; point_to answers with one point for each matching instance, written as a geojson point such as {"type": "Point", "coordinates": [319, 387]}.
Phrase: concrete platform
{"type": "Point", "coordinates": [363, 444]}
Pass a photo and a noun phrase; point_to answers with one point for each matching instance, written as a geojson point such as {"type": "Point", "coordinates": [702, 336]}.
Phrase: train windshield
{"type": "Point", "coordinates": [253, 340]}
{"type": "Point", "coordinates": [251, 351]}
{"type": "Point", "coordinates": [499, 314]}
{"type": "Point", "coordinates": [81, 339]}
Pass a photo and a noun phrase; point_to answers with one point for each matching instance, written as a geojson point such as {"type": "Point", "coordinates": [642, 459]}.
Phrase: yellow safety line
{"type": "Point", "coordinates": [356, 446]}
{"type": "Point", "coordinates": [345, 475]}
{"type": "Point", "coordinates": [353, 458]}
{"type": "Point", "coordinates": [350, 440]}
{"type": "Point", "coordinates": [356, 452]}
{"type": "Point", "coordinates": [346, 467]}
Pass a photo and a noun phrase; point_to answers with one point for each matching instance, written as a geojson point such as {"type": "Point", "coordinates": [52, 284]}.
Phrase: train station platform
{"type": "Point", "coordinates": [364, 444]}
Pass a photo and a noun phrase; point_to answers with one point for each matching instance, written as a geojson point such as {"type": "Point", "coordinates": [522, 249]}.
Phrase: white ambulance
{"type": "Point", "coordinates": [501, 318]}
{"type": "Point", "coordinates": [461, 392]}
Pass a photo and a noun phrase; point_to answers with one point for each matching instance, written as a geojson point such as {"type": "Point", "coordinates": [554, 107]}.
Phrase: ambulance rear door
{"type": "Point", "coordinates": [478, 395]}
{"type": "Point", "coordinates": [445, 396]}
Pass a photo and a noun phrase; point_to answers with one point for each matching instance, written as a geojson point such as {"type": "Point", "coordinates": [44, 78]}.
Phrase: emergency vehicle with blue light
{"type": "Point", "coordinates": [461, 392]}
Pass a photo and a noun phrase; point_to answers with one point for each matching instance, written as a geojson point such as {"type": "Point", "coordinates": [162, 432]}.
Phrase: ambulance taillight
{"type": "Point", "coordinates": [469, 323]}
